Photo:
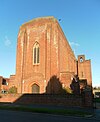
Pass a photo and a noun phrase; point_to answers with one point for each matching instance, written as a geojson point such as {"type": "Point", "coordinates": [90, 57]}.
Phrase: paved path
{"type": "Point", "coordinates": [96, 111]}
{"type": "Point", "coordinates": [17, 116]}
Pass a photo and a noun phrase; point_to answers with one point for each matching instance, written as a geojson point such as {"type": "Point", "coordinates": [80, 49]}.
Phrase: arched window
{"type": "Point", "coordinates": [81, 59]}
{"type": "Point", "coordinates": [36, 54]}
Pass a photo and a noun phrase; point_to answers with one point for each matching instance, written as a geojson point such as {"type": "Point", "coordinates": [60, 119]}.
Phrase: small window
{"type": "Point", "coordinates": [82, 74]}
{"type": "Point", "coordinates": [4, 82]}
{"type": "Point", "coordinates": [36, 54]}
{"type": "Point", "coordinates": [81, 59]}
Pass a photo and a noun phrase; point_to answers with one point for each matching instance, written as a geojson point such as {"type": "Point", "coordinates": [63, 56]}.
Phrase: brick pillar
{"type": "Point", "coordinates": [87, 98]}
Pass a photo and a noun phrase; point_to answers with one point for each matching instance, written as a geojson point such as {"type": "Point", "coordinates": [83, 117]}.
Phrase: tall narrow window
{"type": "Point", "coordinates": [36, 54]}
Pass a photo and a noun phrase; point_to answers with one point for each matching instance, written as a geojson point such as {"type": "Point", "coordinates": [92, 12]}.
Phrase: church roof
{"type": "Point", "coordinates": [46, 18]}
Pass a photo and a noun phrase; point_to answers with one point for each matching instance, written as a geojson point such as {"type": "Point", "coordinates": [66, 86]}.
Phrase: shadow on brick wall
{"type": "Point", "coordinates": [50, 99]}
{"type": "Point", "coordinates": [54, 86]}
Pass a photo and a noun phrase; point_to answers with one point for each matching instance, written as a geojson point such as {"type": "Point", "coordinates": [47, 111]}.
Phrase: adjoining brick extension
{"type": "Point", "coordinates": [56, 57]}
{"type": "Point", "coordinates": [4, 84]}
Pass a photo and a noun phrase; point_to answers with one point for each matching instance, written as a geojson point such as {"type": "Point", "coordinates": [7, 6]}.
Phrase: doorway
{"type": "Point", "coordinates": [35, 89]}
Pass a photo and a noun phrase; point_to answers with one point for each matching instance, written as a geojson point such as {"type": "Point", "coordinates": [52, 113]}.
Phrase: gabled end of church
{"type": "Point", "coordinates": [42, 53]}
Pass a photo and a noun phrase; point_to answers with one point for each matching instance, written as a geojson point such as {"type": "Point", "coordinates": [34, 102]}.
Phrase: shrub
{"type": "Point", "coordinates": [12, 90]}
{"type": "Point", "coordinates": [68, 90]}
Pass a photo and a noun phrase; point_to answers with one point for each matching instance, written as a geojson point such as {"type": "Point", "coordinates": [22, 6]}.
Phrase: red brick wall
{"type": "Point", "coordinates": [65, 100]}
{"type": "Point", "coordinates": [11, 81]}
{"type": "Point", "coordinates": [46, 99]}
{"type": "Point", "coordinates": [9, 97]}
{"type": "Point", "coordinates": [84, 69]}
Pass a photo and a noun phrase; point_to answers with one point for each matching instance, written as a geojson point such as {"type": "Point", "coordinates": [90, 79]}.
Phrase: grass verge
{"type": "Point", "coordinates": [97, 100]}
{"type": "Point", "coordinates": [47, 111]}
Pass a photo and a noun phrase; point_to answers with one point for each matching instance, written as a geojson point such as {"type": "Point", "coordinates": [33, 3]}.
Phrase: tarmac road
{"type": "Point", "coordinates": [17, 116]}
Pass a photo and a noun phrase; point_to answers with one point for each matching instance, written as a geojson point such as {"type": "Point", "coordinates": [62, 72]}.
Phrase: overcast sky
{"type": "Point", "coordinates": [80, 21]}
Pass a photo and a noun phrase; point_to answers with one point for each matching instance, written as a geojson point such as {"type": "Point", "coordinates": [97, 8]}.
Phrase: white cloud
{"type": "Point", "coordinates": [74, 44]}
{"type": "Point", "coordinates": [7, 42]}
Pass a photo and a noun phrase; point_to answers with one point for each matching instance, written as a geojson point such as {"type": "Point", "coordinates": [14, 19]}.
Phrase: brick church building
{"type": "Point", "coordinates": [43, 52]}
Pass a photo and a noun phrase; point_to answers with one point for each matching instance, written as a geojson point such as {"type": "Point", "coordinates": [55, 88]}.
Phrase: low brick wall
{"type": "Point", "coordinates": [48, 99]}
{"type": "Point", "coordinates": [65, 100]}
{"type": "Point", "coordinates": [9, 97]}
{"type": "Point", "coordinates": [44, 99]}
